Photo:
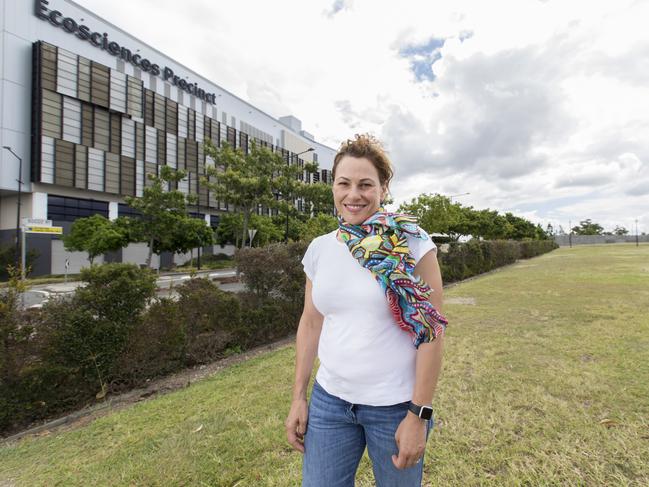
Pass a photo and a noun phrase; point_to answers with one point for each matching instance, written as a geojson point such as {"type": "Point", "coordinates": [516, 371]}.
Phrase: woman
{"type": "Point", "coordinates": [372, 293]}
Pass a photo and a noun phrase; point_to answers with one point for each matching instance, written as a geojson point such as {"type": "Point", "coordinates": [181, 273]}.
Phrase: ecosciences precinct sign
{"type": "Point", "coordinates": [101, 41]}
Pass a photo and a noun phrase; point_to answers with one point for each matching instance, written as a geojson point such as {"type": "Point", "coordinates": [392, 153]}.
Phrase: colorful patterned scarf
{"type": "Point", "coordinates": [380, 245]}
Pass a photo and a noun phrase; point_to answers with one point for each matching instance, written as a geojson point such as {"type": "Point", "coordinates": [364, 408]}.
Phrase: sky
{"type": "Point", "coordinates": [536, 107]}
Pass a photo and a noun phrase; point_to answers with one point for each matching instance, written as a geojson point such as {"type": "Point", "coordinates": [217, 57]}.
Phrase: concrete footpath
{"type": "Point", "coordinates": [39, 294]}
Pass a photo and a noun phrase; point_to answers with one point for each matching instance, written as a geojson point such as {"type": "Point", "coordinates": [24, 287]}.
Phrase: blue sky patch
{"type": "Point", "coordinates": [422, 57]}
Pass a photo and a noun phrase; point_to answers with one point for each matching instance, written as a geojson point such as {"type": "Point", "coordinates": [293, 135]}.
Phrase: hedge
{"type": "Point", "coordinates": [113, 334]}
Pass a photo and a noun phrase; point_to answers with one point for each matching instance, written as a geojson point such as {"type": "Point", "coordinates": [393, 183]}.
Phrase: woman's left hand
{"type": "Point", "coordinates": [411, 441]}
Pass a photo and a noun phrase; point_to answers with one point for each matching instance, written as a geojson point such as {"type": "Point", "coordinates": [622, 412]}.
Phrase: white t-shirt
{"type": "Point", "coordinates": [365, 358]}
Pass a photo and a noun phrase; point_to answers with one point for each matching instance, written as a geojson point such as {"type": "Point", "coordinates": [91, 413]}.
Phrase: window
{"type": "Point", "coordinates": [61, 208]}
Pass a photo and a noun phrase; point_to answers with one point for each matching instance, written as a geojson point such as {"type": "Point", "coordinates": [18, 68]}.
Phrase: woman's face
{"type": "Point", "coordinates": [357, 190]}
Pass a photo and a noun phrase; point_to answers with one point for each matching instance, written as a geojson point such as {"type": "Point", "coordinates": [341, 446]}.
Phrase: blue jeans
{"type": "Point", "coordinates": [336, 436]}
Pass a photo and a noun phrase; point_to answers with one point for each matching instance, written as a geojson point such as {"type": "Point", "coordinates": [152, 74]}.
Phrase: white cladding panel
{"type": "Point", "coordinates": [139, 178]}
{"type": "Point", "coordinates": [151, 145]}
{"type": "Point", "coordinates": [47, 159]}
{"type": "Point", "coordinates": [95, 169]}
{"type": "Point", "coordinates": [66, 73]}
{"type": "Point", "coordinates": [200, 127]}
{"type": "Point", "coordinates": [183, 185]}
{"type": "Point", "coordinates": [71, 120]}
{"type": "Point", "coordinates": [128, 137]}
{"type": "Point", "coordinates": [182, 121]}
{"type": "Point", "coordinates": [172, 160]}
{"type": "Point", "coordinates": [117, 91]}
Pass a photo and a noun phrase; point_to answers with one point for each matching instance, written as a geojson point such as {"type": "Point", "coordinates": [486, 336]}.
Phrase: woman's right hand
{"type": "Point", "coordinates": [296, 424]}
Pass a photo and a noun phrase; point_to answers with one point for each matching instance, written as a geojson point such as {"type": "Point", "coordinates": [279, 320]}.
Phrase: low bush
{"type": "Point", "coordinates": [474, 257]}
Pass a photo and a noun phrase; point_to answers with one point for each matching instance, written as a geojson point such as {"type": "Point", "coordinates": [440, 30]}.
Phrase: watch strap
{"type": "Point", "coordinates": [423, 412]}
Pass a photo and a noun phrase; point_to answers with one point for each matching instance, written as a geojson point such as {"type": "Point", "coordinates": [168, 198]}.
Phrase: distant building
{"type": "Point", "coordinates": [92, 110]}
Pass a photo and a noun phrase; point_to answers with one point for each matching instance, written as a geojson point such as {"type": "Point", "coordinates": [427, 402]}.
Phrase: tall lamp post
{"type": "Point", "coordinates": [288, 163]}
{"type": "Point", "coordinates": [20, 185]}
{"type": "Point", "coordinates": [456, 195]}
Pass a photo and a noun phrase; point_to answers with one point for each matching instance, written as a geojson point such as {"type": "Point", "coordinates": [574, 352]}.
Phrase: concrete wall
{"type": "Point", "coordinates": [563, 240]}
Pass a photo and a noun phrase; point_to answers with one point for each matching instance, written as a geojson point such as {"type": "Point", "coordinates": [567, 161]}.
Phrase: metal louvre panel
{"type": "Point", "coordinates": [87, 119]}
{"type": "Point", "coordinates": [66, 73]}
{"type": "Point", "coordinates": [193, 182]}
{"type": "Point", "coordinates": [149, 169]}
{"type": "Point", "coordinates": [95, 169]}
{"type": "Point", "coordinates": [47, 159]}
{"type": "Point", "coordinates": [201, 159]}
{"type": "Point", "coordinates": [117, 91]}
{"type": "Point", "coordinates": [81, 167]}
{"type": "Point", "coordinates": [112, 173]}
{"type": "Point", "coordinates": [232, 137]}
{"type": "Point", "coordinates": [127, 168]}
{"type": "Point", "coordinates": [139, 178]}
{"type": "Point", "coordinates": [51, 114]}
{"type": "Point", "coordinates": [134, 107]}
{"type": "Point", "coordinates": [200, 127]}
{"type": "Point", "coordinates": [100, 84]}
{"type": "Point", "coordinates": [159, 111]}
{"type": "Point", "coordinates": [191, 161]}
{"type": "Point", "coordinates": [172, 159]}
{"type": "Point", "coordinates": [182, 121]}
{"type": "Point", "coordinates": [151, 145]}
{"type": "Point", "coordinates": [128, 137]}
{"type": "Point", "coordinates": [48, 67]}
{"type": "Point", "coordinates": [162, 147]}
{"type": "Point", "coordinates": [223, 132]}
{"type": "Point", "coordinates": [63, 163]}
{"type": "Point", "coordinates": [172, 117]}
{"type": "Point", "coordinates": [115, 133]}
{"type": "Point", "coordinates": [83, 87]}
{"type": "Point", "coordinates": [180, 151]}
{"type": "Point", "coordinates": [139, 141]}
{"type": "Point", "coordinates": [202, 195]}
{"type": "Point", "coordinates": [71, 120]}
{"type": "Point", "coordinates": [191, 124]}
{"type": "Point", "coordinates": [148, 107]}
{"type": "Point", "coordinates": [101, 129]}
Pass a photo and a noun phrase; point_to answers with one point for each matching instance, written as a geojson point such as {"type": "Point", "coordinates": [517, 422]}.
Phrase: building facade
{"type": "Point", "coordinates": [89, 111]}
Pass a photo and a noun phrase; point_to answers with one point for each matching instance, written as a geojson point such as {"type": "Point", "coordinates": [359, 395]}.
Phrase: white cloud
{"type": "Point", "coordinates": [535, 107]}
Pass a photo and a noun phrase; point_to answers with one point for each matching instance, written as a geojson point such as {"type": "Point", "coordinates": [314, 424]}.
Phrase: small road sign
{"type": "Point", "coordinates": [51, 230]}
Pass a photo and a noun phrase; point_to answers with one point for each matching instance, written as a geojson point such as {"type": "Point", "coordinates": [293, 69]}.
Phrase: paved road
{"type": "Point", "coordinates": [38, 295]}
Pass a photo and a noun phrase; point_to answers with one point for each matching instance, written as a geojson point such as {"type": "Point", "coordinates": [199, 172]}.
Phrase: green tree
{"type": "Point", "coordinates": [244, 181]}
{"type": "Point", "coordinates": [318, 225]}
{"type": "Point", "coordinates": [260, 177]}
{"type": "Point", "coordinates": [95, 235]}
{"type": "Point", "coordinates": [437, 214]}
{"type": "Point", "coordinates": [588, 227]}
{"type": "Point", "coordinates": [318, 198]}
{"type": "Point", "coordinates": [620, 231]}
{"type": "Point", "coordinates": [164, 224]}
{"type": "Point", "coordinates": [520, 227]}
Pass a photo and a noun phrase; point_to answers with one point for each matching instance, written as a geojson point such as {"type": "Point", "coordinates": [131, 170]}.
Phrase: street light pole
{"type": "Point", "coordinates": [636, 233]}
{"type": "Point", "coordinates": [20, 185]}
{"type": "Point", "coordinates": [288, 165]}
{"type": "Point", "coordinates": [456, 195]}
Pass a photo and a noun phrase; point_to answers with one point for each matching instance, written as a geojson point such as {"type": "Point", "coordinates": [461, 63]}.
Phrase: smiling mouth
{"type": "Point", "coordinates": [355, 207]}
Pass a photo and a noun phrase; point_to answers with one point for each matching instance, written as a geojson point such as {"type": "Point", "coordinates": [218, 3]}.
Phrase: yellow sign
{"type": "Point", "coordinates": [54, 230]}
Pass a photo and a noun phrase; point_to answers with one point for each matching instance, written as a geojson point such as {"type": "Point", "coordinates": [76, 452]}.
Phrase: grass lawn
{"type": "Point", "coordinates": [545, 382]}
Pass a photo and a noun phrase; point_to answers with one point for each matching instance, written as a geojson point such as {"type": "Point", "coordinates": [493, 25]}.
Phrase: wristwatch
{"type": "Point", "coordinates": [423, 412]}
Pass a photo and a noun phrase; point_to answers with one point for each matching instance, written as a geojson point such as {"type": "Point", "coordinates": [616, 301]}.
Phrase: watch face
{"type": "Point", "coordinates": [426, 412]}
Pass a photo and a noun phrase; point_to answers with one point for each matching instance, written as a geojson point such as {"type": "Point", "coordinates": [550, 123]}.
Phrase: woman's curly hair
{"type": "Point", "coordinates": [368, 146]}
